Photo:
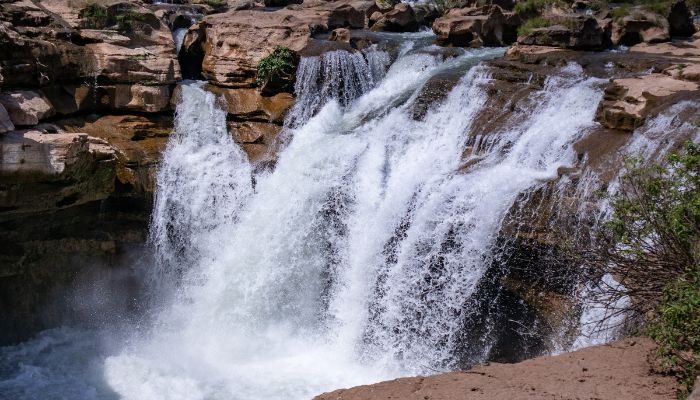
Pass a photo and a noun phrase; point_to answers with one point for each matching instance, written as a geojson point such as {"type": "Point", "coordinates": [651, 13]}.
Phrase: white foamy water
{"type": "Point", "coordinates": [179, 37]}
{"type": "Point", "coordinates": [352, 262]}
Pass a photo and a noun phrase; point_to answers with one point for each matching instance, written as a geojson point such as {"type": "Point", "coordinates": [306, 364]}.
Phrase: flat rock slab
{"type": "Point", "coordinates": [619, 371]}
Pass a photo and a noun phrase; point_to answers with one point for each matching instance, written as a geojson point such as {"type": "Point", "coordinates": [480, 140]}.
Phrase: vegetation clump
{"type": "Point", "coordinates": [127, 19]}
{"type": "Point", "coordinates": [277, 69]}
{"type": "Point", "coordinates": [535, 6]}
{"type": "Point", "coordinates": [94, 15]}
{"type": "Point", "coordinates": [531, 24]}
{"type": "Point", "coordinates": [101, 15]}
{"type": "Point", "coordinates": [652, 247]}
{"type": "Point", "coordinates": [619, 13]}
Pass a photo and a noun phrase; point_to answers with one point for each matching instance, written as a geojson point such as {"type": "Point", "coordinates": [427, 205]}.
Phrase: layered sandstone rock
{"type": "Point", "coordinates": [641, 26]}
{"type": "Point", "coordinates": [26, 107]}
{"type": "Point", "coordinates": [472, 26]}
{"type": "Point", "coordinates": [570, 31]}
{"type": "Point", "coordinates": [401, 18]}
{"type": "Point", "coordinates": [56, 45]}
{"type": "Point", "coordinates": [629, 101]}
{"type": "Point", "coordinates": [52, 170]}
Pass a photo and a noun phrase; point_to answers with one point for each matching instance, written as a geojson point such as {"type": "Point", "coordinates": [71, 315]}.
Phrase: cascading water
{"type": "Point", "coordinates": [337, 75]}
{"type": "Point", "coordinates": [179, 37]}
{"type": "Point", "coordinates": [353, 259]}
{"type": "Point", "coordinates": [203, 181]}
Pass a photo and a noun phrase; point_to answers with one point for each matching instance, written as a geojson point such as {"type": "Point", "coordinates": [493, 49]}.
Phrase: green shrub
{"type": "Point", "coordinates": [536, 6]}
{"type": "Point", "coordinates": [278, 65]}
{"type": "Point", "coordinates": [677, 330]}
{"type": "Point", "coordinates": [652, 245]}
{"type": "Point", "coordinates": [619, 13]}
{"type": "Point", "coordinates": [94, 15]}
{"type": "Point", "coordinates": [533, 23]}
{"type": "Point", "coordinates": [127, 19]}
{"type": "Point", "coordinates": [657, 6]}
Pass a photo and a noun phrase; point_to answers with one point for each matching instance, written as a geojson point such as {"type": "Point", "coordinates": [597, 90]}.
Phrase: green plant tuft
{"type": "Point", "coordinates": [531, 24]}
{"type": "Point", "coordinates": [94, 15]}
{"type": "Point", "coordinates": [619, 13]}
{"type": "Point", "coordinates": [677, 330]}
{"type": "Point", "coordinates": [535, 6]}
{"type": "Point", "coordinates": [278, 65]}
{"type": "Point", "coordinates": [127, 19]}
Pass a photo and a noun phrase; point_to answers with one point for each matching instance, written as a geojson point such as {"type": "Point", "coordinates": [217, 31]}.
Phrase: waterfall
{"type": "Point", "coordinates": [203, 180]}
{"type": "Point", "coordinates": [179, 37]}
{"type": "Point", "coordinates": [354, 259]}
{"type": "Point", "coordinates": [337, 75]}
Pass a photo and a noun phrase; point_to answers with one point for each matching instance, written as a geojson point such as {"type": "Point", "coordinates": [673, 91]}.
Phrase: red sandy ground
{"type": "Point", "coordinates": [617, 371]}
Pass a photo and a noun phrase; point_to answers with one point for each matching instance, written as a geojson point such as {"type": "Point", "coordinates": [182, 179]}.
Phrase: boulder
{"type": "Point", "coordinates": [375, 17]}
{"type": "Point", "coordinates": [257, 139]}
{"type": "Point", "coordinates": [640, 26]}
{"type": "Point", "coordinates": [426, 13]}
{"type": "Point", "coordinates": [629, 101]}
{"type": "Point", "coordinates": [401, 19]}
{"type": "Point", "coordinates": [470, 26]}
{"type": "Point", "coordinates": [569, 32]}
{"type": "Point", "coordinates": [341, 35]}
{"type": "Point", "coordinates": [680, 20]}
{"type": "Point", "coordinates": [26, 107]}
{"type": "Point", "coordinates": [386, 5]}
{"type": "Point", "coordinates": [5, 121]}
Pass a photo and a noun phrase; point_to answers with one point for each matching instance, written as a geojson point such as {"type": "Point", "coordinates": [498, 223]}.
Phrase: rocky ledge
{"type": "Point", "coordinates": [620, 370]}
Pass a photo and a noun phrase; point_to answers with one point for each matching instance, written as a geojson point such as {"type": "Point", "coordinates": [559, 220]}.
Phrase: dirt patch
{"type": "Point", "coordinates": [619, 371]}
